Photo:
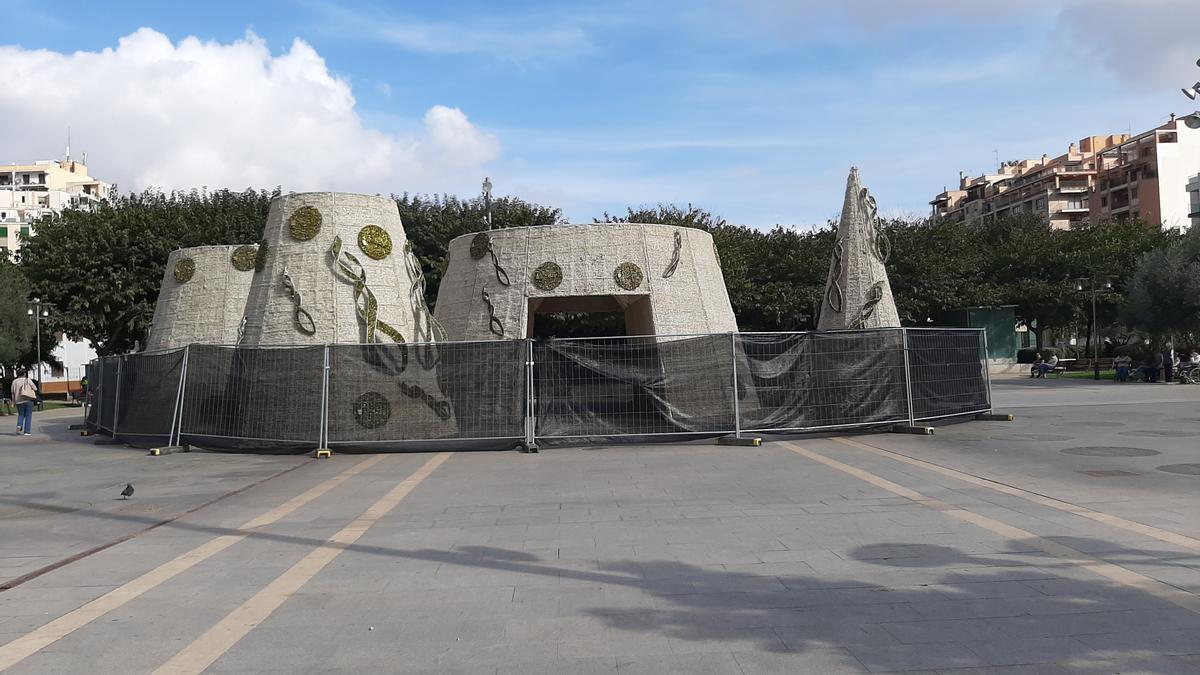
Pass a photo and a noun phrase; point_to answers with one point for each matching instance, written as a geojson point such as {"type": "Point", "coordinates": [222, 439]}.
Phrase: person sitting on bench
{"type": "Point", "coordinates": [1048, 365]}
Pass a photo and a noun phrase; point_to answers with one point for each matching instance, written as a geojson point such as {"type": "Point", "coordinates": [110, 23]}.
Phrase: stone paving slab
{"type": "Point", "coordinates": [665, 558]}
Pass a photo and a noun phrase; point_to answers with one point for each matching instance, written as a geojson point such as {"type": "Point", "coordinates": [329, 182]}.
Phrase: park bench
{"type": "Point", "coordinates": [1063, 366]}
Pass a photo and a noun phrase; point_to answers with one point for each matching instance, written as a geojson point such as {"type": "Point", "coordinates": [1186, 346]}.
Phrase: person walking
{"type": "Point", "coordinates": [25, 395]}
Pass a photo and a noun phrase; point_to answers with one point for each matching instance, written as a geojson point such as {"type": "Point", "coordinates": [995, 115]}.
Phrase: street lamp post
{"type": "Point", "coordinates": [37, 311]}
{"type": "Point", "coordinates": [487, 199]}
{"type": "Point", "coordinates": [1094, 288]}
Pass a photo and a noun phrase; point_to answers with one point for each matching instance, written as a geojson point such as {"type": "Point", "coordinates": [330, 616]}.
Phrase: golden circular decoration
{"type": "Point", "coordinates": [184, 269]}
{"type": "Point", "coordinates": [244, 258]}
{"type": "Point", "coordinates": [480, 244]}
{"type": "Point", "coordinates": [628, 276]}
{"type": "Point", "coordinates": [304, 223]}
{"type": "Point", "coordinates": [372, 410]}
{"type": "Point", "coordinates": [375, 242]}
{"type": "Point", "coordinates": [547, 276]}
{"type": "Point", "coordinates": [260, 256]}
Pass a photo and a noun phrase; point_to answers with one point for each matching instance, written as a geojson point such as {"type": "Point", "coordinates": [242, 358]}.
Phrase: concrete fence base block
{"type": "Point", "coordinates": [323, 453]}
{"type": "Point", "coordinates": [911, 429]}
{"type": "Point", "coordinates": [744, 441]}
{"type": "Point", "coordinates": [993, 417]}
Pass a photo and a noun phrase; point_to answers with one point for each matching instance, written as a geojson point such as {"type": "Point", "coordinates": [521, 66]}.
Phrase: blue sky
{"type": "Point", "coordinates": [754, 109]}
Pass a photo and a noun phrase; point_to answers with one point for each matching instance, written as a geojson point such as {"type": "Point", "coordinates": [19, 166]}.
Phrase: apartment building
{"type": "Point", "coordinates": [1116, 176]}
{"type": "Point", "coordinates": [30, 191]}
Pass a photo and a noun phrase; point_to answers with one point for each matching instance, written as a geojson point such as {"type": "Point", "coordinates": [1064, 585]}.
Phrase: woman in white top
{"type": "Point", "coordinates": [25, 395]}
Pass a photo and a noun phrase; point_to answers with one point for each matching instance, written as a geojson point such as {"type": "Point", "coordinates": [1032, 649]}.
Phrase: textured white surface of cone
{"type": "Point", "coordinates": [326, 293]}
{"type": "Point", "coordinates": [692, 300]}
{"type": "Point", "coordinates": [207, 308]}
{"type": "Point", "coordinates": [858, 271]}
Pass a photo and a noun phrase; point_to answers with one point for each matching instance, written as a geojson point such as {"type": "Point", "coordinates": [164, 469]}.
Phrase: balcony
{"type": "Point", "coordinates": [1072, 188]}
{"type": "Point", "coordinates": [1073, 208]}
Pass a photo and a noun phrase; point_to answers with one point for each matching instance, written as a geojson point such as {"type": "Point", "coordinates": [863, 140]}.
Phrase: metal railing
{"type": "Point", "coordinates": [377, 397]}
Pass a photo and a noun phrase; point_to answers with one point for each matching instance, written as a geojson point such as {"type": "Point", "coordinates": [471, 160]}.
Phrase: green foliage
{"type": "Point", "coordinates": [102, 268]}
{"type": "Point", "coordinates": [1164, 291]}
{"type": "Point", "coordinates": [16, 330]}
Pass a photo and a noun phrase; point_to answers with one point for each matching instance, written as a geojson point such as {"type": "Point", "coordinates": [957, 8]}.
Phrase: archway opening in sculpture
{"type": "Point", "coordinates": [590, 316]}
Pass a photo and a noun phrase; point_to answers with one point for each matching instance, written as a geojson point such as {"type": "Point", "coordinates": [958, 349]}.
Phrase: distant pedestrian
{"type": "Point", "coordinates": [1048, 365]}
{"type": "Point", "coordinates": [6, 402]}
{"type": "Point", "coordinates": [1149, 369]}
{"type": "Point", "coordinates": [25, 394]}
{"type": "Point", "coordinates": [1169, 363]}
{"type": "Point", "coordinates": [1122, 364]}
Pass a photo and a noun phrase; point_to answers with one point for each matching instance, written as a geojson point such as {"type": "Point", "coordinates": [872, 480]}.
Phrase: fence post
{"type": "Point", "coordinates": [177, 413]}
{"type": "Point", "coordinates": [323, 432]}
{"type": "Point", "coordinates": [987, 374]}
{"type": "Point", "coordinates": [737, 406]}
{"type": "Point", "coordinates": [117, 399]}
{"type": "Point", "coordinates": [907, 378]}
{"type": "Point", "coordinates": [530, 409]}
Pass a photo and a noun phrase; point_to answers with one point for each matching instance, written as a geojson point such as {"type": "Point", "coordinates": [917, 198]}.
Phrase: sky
{"type": "Point", "coordinates": [752, 109]}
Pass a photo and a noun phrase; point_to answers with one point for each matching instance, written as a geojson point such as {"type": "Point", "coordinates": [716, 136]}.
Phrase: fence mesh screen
{"type": "Point", "coordinates": [462, 395]}
{"type": "Point", "coordinates": [382, 394]}
{"type": "Point", "coordinates": [633, 386]}
{"type": "Point", "coordinates": [108, 404]}
{"type": "Point", "coordinates": [797, 381]}
{"type": "Point", "coordinates": [268, 399]}
{"type": "Point", "coordinates": [948, 371]}
{"type": "Point", "coordinates": [92, 372]}
{"type": "Point", "coordinates": [149, 389]}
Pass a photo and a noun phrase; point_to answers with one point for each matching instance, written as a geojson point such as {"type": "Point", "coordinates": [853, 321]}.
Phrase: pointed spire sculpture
{"type": "Point", "coordinates": [857, 294]}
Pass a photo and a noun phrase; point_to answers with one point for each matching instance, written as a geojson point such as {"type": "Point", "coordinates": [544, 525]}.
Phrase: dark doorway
{"type": "Point", "coordinates": [590, 316]}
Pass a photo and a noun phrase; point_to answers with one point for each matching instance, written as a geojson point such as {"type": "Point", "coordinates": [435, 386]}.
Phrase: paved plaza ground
{"type": "Point", "coordinates": [1067, 541]}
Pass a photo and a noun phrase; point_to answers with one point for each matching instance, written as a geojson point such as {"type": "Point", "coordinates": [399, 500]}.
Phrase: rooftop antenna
{"type": "Point", "coordinates": [996, 152]}
{"type": "Point", "coordinates": [68, 143]}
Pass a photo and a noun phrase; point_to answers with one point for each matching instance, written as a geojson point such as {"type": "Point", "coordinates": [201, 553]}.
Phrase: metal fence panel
{"type": "Point", "coordinates": [92, 372]}
{"type": "Point", "coordinates": [148, 394]}
{"type": "Point", "coordinates": [108, 394]}
{"type": "Point", "coordinates": [949, 372]}
{"type": "Point", "coordinates": [805, 381]}
{"type": "Point", "coordinates": [401, 394]}
{"type": "Point", "coordinates": [268, 399]}
{"type": "Point", "coordinates": [633, 386]}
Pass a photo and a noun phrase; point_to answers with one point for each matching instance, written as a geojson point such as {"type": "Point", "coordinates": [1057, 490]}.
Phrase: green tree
{"type": "Point", "coordinates": [102, 268]}
{"type": "Point", "coordinates": [16, 330]}
{"type": "Point", "coordinates": [1163, 292]}
{"type": "Point", "coordinates": [936, 265]}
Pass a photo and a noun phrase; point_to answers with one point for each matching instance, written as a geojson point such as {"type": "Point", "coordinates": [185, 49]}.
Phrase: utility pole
{"type": "Point", "coordinates": [37, 311]}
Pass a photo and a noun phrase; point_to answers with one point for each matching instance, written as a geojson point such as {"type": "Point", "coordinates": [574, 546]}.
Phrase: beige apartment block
{"type": "Point", "coordinates": [30, 191]}
{"type": "Point", "coordinates": [1146, 176]}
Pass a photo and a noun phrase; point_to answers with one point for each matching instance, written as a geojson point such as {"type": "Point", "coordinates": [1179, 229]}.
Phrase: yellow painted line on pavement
{"type": "Point", "coordinates": [219, 639]}
{"type": "Point", "coordinates": [1108, 519]}
{"type": "Point", "coordinates": [25, 646]}
{"type": "Point", "coordinates": [1099, 567]}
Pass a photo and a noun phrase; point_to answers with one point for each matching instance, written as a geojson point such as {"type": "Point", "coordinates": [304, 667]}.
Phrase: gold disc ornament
{"type": "Point", "coordinates": [244, 258]}
{"type": "Point", "coordinates": [480, 244]}
{"type": "Point", "coordinates": [304, 223]}
{"type": "Point", "coordinates": [628, 276]}
{"type": "Point", "coordinates": [184, 269]}
{"type": "Point", "coordinates": [547, 276]}
{"type": "Point", "coordinates": [372, 410]}
{"type": "Point", "coordinates": [375, 242]}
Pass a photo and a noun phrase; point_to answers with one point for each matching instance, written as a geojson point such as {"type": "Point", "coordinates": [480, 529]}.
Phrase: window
{"type": "Point", "coordinates": [1104, 201]}
{"type": "Point", "coordinates": [1075, 202]}
{"type": "Point", "coordinates": [1040, 205]}
{"type": "Point", "coordinates": [1133, 190]}
{"type": "Point", "coordinates": [4, 233]}
{"type": "Point", "coordinates": [24, 232]}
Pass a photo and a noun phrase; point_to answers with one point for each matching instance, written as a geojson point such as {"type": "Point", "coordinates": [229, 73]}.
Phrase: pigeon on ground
{"type": "Point", "coordinates": [128, 491]}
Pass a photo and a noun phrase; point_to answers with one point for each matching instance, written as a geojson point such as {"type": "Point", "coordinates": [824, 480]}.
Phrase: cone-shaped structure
{"type": "Point", "coordinates": [202, 296]}
{"type": "Point", "coordinates": [857, 293]}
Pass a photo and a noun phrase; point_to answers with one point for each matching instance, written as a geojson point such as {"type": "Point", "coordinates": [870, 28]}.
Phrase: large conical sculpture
{"type": "Point", "coordinates": [202, 295]}
{"type": "Point", "coordinates": [857, 294]}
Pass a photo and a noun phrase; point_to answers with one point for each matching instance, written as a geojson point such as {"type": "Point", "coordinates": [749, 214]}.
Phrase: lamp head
{"type": "Point", "coordinates": [1078, 286]}
{"type": "Point", "coordinates": [29, 311]}
{"type": "Point", "coordinates": [1192, 91]}
{"type": "Point", "coordinates": [1192, 121]}
{"type": "Point", "coordinates": [487, 183]}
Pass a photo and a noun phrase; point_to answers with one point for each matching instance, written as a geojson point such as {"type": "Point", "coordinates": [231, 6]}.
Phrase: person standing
{"type": "Point", "coordinates": [1122, 363]}
{"type": "Point", "coordinates": [25, 395]}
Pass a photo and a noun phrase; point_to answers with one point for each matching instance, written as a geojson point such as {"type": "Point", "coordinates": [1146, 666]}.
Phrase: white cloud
{"type": "Point", "coordinates": [154, 113]}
